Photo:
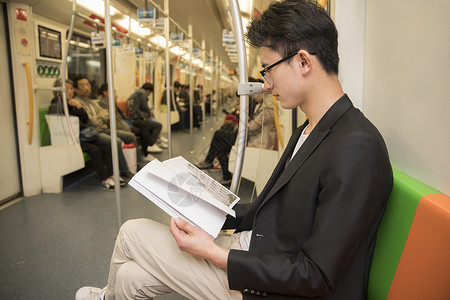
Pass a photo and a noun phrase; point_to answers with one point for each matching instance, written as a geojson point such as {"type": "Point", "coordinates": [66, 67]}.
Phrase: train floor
{"type": "Point", "coordinates": [52, 244]}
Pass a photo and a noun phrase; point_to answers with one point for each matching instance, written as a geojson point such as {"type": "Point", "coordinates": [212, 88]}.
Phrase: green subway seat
{"type": "Point", "coordinates": [393, 232]}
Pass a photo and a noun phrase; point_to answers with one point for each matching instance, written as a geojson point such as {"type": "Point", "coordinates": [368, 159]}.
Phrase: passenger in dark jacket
{"type": "Point", "coordinates": [143, 121]}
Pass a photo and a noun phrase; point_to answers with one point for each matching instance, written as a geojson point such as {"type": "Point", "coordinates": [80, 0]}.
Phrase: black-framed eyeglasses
{"type": "Point", "coordinates": [264, 72]}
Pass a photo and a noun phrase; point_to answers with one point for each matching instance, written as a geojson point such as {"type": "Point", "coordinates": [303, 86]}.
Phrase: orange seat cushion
{"type": "Point", "coordinates": [424, 268]}
{"type": "Point", "coordinates": [123, 106]}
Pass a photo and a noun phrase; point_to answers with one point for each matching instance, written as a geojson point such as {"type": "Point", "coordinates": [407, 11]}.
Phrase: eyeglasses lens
{"type": "Point", "coordinates": [268, 78]}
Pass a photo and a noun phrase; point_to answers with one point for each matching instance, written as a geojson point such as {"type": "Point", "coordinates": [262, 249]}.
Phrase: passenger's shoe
{"type": "Point", "coordinates": [162, 145]}
{"type": "Point", "coordinates": [225, 181]}
{"type": "Point", "coordinates": [149, 157]}
{"type": "Point", "coordinates": [216, 165]}
{"type": "Point", "coordinates": [162, 139]}
{"type": "Point", "coordinates": [126, 176]}
{"type": "Point", "coordinates": [122, 181]}
{"type": "Point", "coordinates": [204, 165]}
{"type": "Point", "coordinates": [154, 149]}
{"type": "Point", "coordinates": [90, 293]}
{"type": "Point", "coordinates": [109, 183]}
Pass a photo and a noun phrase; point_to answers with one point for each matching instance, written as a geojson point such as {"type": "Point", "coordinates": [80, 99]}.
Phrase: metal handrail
{"type": "Point", "coordinates": [242, 133]}
{"type": "Point", "coordinates": [168, 84]}
{"type": "Point", "coordinates": [64, 67]}
{"type": "Point", "coordinates": [112, 110]}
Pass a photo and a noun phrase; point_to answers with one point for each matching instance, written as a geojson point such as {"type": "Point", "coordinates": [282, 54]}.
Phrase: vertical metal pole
{"type": "Point", "coordinates": [211, 75]}
{"type": "Point", "coordinates": [64, 71]}
{"type": "Point", "coordinates": [216, 84]}
{"type": "Point", "coordinates": [219, 90]}
{"type": "Point", "coordinates": [191, 88]}
{"type": "Point", "coordinates": [242, 133]}
{"type": "Point", "coordinates": [203, 84]}
{"type": "Point", "coordinates": [168, 83]}
{"type": "Point", "coordinates": [112, 110]}
{"type": "Point", "coordinates": [219, 79]}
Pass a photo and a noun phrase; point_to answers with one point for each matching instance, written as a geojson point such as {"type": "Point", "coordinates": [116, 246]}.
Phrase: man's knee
{"type": "Point", "coordinates": [128, 273]}
{"type": "Point", "coordinates": [131, 225]}
{"type": "Point", "coordinates": [126, 137]}
{"type": "Point", "coordinates": [130, 280]}
{"type": "Point", "coordinates": [92, 149]}
{"type": "Point", "coordinates": [141, 228]}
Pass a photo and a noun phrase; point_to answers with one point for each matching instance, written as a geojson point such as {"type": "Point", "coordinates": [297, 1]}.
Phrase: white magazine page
{"type": "Point", "coordinates": [176, 201]}
{"type": "Point", "coordinates": [152, 197]}
{"type": "Point", "coordinates": [216, 194]}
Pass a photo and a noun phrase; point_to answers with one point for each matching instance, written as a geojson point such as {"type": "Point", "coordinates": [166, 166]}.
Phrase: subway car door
{"type": "Point", "coordinates": [10, 185]}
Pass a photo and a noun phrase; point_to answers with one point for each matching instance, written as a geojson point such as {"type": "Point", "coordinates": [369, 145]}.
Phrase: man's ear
{"type": "Point", "coordinates": [305, 61]}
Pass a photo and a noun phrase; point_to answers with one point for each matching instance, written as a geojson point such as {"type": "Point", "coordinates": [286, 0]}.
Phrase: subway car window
{"type": "Point", "coordinates": [84, 59]}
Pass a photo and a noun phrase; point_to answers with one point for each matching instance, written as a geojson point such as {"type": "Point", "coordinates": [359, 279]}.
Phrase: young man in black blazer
{"type": "Point", "coordinates": [311, 232]}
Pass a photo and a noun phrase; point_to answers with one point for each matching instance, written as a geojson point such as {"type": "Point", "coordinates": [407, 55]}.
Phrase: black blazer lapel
{"type": "Point", "coordinates": [279, 168]}
{"type": "Point", "coordinates": [322, 129]}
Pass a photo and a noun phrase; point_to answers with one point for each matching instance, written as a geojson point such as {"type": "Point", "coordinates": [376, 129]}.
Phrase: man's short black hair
{"type": "Point", "coordinates": [102, 88]}
{"type": "Point", "coordinates": [292, 25]}
{"type": "Point", "coordinates": [148, 86]}
{"type": "Point", "coordinates": [176, 84]}
{"type": "Point", "coordinates": [58, 83]}
{"type": "Point", "coordinates": [78, 78]}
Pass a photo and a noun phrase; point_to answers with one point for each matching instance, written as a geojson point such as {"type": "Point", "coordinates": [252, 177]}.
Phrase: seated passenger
{"type": "Point", "coordinates": [261, 126]}
{"type": "Point", "coordinates": [208, 101]}
{"type": "Point", "coordinates": [261, 134]}
{"type": "Point", "coordinates": [174, 93]}
{"type": "Point", "coordinates": [99, 119]}
{"type": "Point", "coordinates": [123, 123]}
{"type": "Point", "coordinates": [198, 93]}
{"type": "Point", "coordinates": [311, 232]}
{"type": "Point", "coordinates": [94, 147]}
{"type": "Point", "coordinates": [143, 120]}
{"type": "Point", "coordinates": [180, 106]}
{"type": "Point", "coordinates": [184, 101]}
{"type": "Point", "coordinates": [220, 147]}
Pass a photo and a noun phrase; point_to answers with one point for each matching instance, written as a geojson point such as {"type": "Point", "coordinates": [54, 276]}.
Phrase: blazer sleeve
{"type": "Point", "coordinates": [241, 211]}
{"type": "Point", "coordinates": [353, 186]}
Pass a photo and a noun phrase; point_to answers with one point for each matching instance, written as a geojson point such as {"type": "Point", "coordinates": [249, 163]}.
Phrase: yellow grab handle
{"type": "Point", "coordinates": [323, 3]}
{"type": "Point", "coordinates": [30, 103]}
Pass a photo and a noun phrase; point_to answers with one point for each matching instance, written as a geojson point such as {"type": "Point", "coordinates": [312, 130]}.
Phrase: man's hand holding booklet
{"type": "Point", "coordinates": [181, 190]}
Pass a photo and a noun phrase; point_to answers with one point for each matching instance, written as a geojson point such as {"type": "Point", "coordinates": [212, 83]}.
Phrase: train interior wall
{"type": "Point", "coordinates": [394, 65]}
{"type": "Point", "coordinates": [406, 85]}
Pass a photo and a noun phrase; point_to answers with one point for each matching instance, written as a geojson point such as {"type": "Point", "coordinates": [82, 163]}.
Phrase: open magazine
{"type": "Point", "coordinates": [182, 190]}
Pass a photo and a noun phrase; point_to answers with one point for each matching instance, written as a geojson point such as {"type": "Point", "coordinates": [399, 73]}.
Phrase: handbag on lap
{"type": "Point", "coordinates": [88, 134]}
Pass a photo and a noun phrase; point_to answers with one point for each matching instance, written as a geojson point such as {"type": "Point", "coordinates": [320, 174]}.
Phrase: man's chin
{"type": "Point", "coordinates": [286, 105]}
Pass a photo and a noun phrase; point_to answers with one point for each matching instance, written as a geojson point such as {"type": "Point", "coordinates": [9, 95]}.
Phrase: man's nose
{"type": "Point", "coordinates": [267, 86]}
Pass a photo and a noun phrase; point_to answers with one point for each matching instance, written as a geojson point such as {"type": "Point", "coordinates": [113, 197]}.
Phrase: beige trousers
{"type": "Point", "coordinates": [147, 262]}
